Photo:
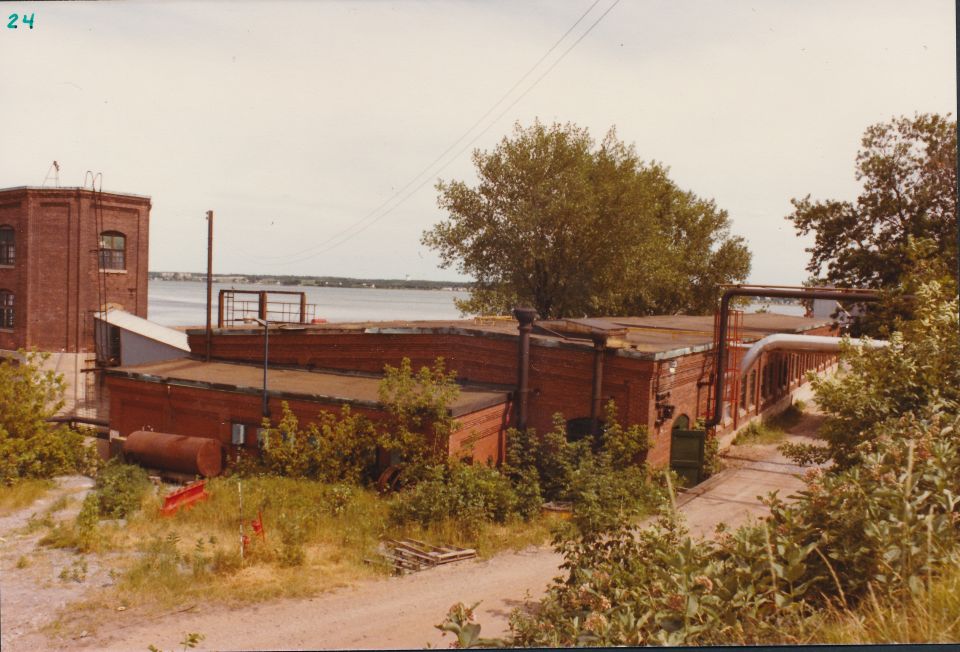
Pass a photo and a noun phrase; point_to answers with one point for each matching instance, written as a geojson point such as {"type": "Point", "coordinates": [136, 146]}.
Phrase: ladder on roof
{"type": "Point", "coordinates": [729, 402]}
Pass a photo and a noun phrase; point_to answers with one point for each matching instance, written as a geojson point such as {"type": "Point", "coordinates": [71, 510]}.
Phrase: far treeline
{"type": "Point", "coordinates": [315, 281]}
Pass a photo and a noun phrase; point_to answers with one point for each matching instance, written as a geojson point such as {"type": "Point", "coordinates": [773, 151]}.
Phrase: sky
{"type": "Point", "coordinates": [316, 131]}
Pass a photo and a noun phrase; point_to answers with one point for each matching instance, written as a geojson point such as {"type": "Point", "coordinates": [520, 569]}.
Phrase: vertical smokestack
{"type": "Point", "coordinates": [526, 316]}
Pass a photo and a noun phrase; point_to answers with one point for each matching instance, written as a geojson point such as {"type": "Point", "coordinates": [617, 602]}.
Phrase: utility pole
{"type": "Point", "coordinates": [209, 281]}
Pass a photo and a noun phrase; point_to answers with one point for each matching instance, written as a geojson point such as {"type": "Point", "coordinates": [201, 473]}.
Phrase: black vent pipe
{"type": "Point", "coordinates": [837, 294]}
{"type": "Point", "coordinates": [526, 316]}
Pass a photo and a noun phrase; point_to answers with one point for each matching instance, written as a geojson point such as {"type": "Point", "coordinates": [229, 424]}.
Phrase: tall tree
{"type": "Point", "coordinates": [575, 229]}
{"type": "Point", "coordinates": [908, 168]}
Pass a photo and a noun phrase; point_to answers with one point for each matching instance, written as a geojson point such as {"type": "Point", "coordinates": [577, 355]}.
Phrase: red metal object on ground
{"type": "Point", "coordinates": [184, 497]}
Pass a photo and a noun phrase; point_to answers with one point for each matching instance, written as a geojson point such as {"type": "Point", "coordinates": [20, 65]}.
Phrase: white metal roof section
{"type": "Point", "coordinates": [145, 328]}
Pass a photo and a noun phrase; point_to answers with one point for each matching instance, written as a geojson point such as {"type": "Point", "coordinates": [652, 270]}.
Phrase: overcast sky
{"type": "Point", "coordinates": [302, 124]}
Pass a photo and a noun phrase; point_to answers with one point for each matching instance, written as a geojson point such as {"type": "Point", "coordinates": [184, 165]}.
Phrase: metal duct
{"type": "Point", "coordinates": [795, 342]}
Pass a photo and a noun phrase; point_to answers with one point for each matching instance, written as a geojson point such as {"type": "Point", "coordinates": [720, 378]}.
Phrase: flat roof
{"type": "Point", "coordinates": [654, 337]}
{"type": "Point", "coordinates": [328, 387]}
{"type": "Point", "coordinates": [74, 188]}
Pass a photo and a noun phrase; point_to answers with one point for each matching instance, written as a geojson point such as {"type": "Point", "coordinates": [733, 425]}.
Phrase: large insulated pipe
{"type": "Point", "coordinates": [795, 342]}
{"type": "Point", "coordinates": [596, 404]}
{"type": "Point", "coordinates": [525, 316]}
{"type": "Point", "coordinates": [169, 452]}
{"type": "Point", "coordinates": [758, 291]}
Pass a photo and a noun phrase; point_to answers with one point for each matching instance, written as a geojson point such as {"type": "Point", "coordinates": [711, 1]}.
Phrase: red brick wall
{"type": "Point", "coordinates": [482, 434]}
{"type": "Point", "coordinates": [139, 405]}
{"type": "Point", "coordinates": [198, 412]}
{"type": "Point", "coordinates": [14, 278]}
{"type": "Point", "coordinates": [56, 272]}
{"type": "Point", "coordinates": [561, 378]}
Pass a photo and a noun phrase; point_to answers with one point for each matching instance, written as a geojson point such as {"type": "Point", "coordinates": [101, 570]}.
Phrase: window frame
{"type": "Point", "coordinates": [8, 250]}
{"type": "Point", "coordinates": [116, 257]}
{"type": "Point", "coordinates": [8, 305]}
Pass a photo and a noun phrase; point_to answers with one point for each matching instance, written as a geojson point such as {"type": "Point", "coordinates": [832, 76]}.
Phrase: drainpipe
{"type": "Point", "coordinates": [755, 291]}
{"type": "Point", "coordinates": [596, 406]}
{"type": "Point", "coordinates": [526, 316]}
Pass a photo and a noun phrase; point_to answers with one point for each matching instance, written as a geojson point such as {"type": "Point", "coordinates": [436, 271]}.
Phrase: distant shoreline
{"type": "Point", "coordinates": [314, 281]}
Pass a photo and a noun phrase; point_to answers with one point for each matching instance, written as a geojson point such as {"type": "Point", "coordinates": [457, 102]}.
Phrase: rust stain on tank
{"type": "Point", "coordinates": [161, 450]}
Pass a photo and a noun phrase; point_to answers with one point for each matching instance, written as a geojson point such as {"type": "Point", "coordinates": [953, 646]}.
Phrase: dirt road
{"type": "Point", "coordinates": [400, 612]}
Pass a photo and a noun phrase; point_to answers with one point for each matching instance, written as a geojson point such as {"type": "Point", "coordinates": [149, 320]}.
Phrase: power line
{"type": "Point", "coordinates": [288, 258]}
{"type": "Point", "coordinates": [467, 146]}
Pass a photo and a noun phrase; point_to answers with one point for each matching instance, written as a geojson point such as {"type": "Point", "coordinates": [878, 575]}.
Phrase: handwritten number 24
{"type": "Point", "coordinates": [25, 19]}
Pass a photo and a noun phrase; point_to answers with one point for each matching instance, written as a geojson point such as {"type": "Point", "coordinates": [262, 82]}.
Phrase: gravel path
{"type": "Point", "coordinates": [396, 612]}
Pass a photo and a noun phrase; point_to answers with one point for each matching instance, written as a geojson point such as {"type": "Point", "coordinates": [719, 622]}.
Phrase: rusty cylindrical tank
{"type": "Point", "coordinates": [161, 450]}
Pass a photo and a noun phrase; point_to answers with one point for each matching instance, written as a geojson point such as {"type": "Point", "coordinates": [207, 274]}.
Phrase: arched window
{"type": "Point", "coordinates": [682, 422]}
{"type": "Point", "coordinates": [8, 250]}
{"type": "Point", "coordinates": [6, 309]}
{"type": "Point", "coordinates": [113, 250]}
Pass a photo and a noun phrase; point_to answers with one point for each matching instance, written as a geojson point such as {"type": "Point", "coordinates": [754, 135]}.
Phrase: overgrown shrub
{"type": "Point", "coordinates": [465, 493]}
{"type": "Point", "coordinates": [883, 527]}
{"type": "Point", "coordinates": [920, 368]}
{"type": "Point", "coordinates": [119, 489]}
{"type": "Point", "coordinates": [881, 524]}
{"type": "Point", "coordinates": [337, 448]}
{"type": "Point", "coordinates": [30, 447]}
{"type": "Point", "coordinates": [420, 424]}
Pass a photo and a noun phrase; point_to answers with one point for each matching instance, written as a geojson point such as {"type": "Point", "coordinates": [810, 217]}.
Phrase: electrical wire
{"type": "Point", "coordinates": [363, 228]}
{"type": "Point", "coordinates": [372, 218]}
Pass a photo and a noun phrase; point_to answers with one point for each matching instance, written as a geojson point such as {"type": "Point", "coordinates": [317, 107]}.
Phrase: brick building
{"type": "Point", "coordinates": [65, 253]}
{"type": "Point", "coordinates": [658, 370]}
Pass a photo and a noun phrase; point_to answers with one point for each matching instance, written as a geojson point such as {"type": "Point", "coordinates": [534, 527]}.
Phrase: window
{"type": "Point", "coordinates": [6, 309]}
{"type": "Point", "coordinates": [113, 248]}
{"type": "Point", "coordinates": [8, 251]}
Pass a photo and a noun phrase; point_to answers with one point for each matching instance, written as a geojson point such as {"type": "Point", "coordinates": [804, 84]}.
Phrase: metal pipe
{"type": "Point", "coordinates": [596, 403]}
{"type": "Point", "coordinates": [266, 359]}
{"type": "Point", "coordinates": [796, 342]}
{"type": "Point", "coordinates": [755, 291]}
{"type": "Point", "coordinates": [209, 281]}
{"type": "Point", "coordinates": [526, 316]}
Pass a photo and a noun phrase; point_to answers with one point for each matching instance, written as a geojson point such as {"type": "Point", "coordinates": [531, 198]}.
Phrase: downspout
{"type": "Point", "coordinates": [596, 405]}
{"type": "Point", "coordinates": [754, 291]}
{"type": "Point", "coordinates": [526, 316]}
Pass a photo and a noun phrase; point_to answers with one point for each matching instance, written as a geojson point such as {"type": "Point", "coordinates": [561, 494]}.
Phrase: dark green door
{"type": "Point", "coordinates": [686, 454]}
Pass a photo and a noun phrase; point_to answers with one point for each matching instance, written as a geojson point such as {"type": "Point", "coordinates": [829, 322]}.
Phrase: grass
{"type": "Point", "coordinates": [931, 616]}
{"type": "Point", "coordinates": [771, 431]}
{"type": "Point", "coordinates": [22, 493]}
{"type": "Point", "coordinates": [317, 537]}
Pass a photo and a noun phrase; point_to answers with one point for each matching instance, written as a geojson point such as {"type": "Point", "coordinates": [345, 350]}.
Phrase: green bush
{"type": "Point", "coordinates": [30, 447]}
{"type": "Point", "coordinates": [465, 493]}
{"type": "Point", "coordinates": [420, 425]}
{"type": "Point", "coordinates": [119, 489]}
{"type": "Point", "coordinates": [335, 449]}
{"type": "Point", "coordinates": [879, 524]}
{"type": "Point", "coordinates": [919, 369]}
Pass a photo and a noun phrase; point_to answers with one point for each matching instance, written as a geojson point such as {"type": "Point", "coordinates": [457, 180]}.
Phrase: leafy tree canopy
{"type": "Point", "coordinates": [908, 168]}
{"type": "Point", "coordinates": [573, 228]}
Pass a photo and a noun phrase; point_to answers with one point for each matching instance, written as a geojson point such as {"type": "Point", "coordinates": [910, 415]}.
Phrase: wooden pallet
{"type": "Point", "coordinates": [408, 555]}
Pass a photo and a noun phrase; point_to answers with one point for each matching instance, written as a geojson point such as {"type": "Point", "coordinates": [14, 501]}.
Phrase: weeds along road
{"type": "Point", "coordinates": [400, 612]}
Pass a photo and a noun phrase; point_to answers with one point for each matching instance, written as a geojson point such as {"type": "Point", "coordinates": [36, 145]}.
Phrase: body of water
{"type": "Point", "coordinates": [183, 303]}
